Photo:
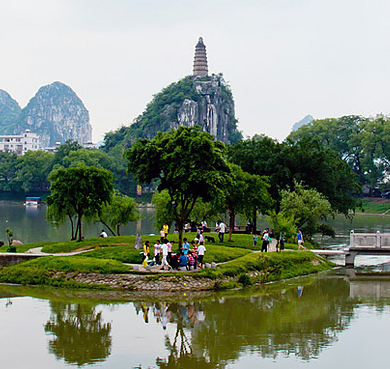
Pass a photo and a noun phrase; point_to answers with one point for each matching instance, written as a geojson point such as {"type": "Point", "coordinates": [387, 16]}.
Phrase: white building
{"type": "Point", "coordinates": [27, 141]}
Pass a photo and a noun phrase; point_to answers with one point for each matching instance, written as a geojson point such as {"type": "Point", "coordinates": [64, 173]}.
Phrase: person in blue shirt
{"type": "Point", "coordinates": [300, 240]}
{"type": "Point", "coordinates": [254, 239]}
{"type": "Point", "coordinates": [185, 247]}
{"type": "Point", "coordinates": [182, 261]}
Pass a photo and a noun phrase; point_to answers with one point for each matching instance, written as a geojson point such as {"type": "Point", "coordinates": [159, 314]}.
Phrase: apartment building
{"type": "Point", "coordinates": [26, 141]}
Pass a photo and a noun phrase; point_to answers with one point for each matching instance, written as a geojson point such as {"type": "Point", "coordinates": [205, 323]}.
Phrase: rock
{"type": "Point", "coordinates": [207, 265]}
{"type": "Point", "coordinates": [138, 244]}
{"type": "Point", "coordinates": [213, 265]}
{"type": "Point", "coordinates": [16, 242]}
{"type": "Point", "coordinates": [56, 114]}
{"type": "Point", "coordinates": [206, 101]}
{"type": "Point", "coordinates": [136, 267]}
{"type": "Point", "coordinates": [9, 113]}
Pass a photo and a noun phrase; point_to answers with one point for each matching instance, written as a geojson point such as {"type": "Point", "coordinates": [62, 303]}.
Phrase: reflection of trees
{"type": "Point", "coordinates": [81, 336]}
{"type": "Point", "coordinates": [281, 323]}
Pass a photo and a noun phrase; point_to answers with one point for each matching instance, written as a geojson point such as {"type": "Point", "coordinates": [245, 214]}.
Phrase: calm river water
{"type": "Point", "coordinates": [336, 319]}
{"type": "Point", "coordinates": [325, 321]}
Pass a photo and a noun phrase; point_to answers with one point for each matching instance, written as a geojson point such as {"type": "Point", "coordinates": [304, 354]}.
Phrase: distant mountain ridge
{"type": "Point", "coordinates": [55, 113]}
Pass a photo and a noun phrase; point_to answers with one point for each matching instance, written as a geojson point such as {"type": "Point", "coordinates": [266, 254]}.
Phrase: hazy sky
{"type": "Point", "coordinates": [283, 59]}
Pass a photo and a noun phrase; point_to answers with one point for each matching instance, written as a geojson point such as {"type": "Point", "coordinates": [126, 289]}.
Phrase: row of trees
{"type": "Point", "coordinates": [30, 172]}
{"type": "Point", "coordinates": [297, 183]}
{"type": "Point", "coordinates": [363, 143]}
{"type": "Point", "coordinates": [196, 177]}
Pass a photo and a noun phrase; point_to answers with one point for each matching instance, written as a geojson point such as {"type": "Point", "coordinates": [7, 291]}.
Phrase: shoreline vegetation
{"type": "Point", "coordinates": [107, 265]}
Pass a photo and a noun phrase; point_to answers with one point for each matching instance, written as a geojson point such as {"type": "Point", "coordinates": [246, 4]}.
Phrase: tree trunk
{"type": "Point", "coordinates": [254, 220]}
{"type": "Point", "coordinates": [118, 229]}
{"type": "Point", "coordinates": [79, 228]}
{"type": "Point", "coordinates": [72, 228]}
{"type": "Point", "coordinates": [108, 227]}
{"type": "Point", "coordinates": [232, 216]}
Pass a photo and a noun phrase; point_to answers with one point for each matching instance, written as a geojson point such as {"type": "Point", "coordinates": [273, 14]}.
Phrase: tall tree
{"type": "Point", "coordinates": [306, 206]}
{"type": "Point", "coordinates": [188, 163]}
{"type": "Point", "coordinates": [81, 191]}
{"type": "Point", "coordinates": [245, 194]}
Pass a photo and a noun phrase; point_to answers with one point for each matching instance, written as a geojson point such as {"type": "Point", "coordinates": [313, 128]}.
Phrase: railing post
{"type": "Point", "coordinates": [378, 239]}
{"type": "Point", "coordinates": [351, 239]}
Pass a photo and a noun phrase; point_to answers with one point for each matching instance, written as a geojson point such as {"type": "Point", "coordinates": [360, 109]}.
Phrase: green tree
{"type": "Point", "coordinates": [32, 171]}
{"type": "Point", "coordinates": [7, 170]}
{"type": "Point", "coordinates": [304, 160]}
{"type": "Point", "coordinates": [282, 225]}
{"type": "Point", "coordinates": [120, 211]}
{"type": "Point", "coordinates": [188, 163]}
{"type": "Point", "coordinates": [80, 191]}
{"type": "Point", "coordinates": [244, 193]}
{"type": "Point", "coordinates": [306, 206]}
{"type": "Point", "coordinates": [164, 210]}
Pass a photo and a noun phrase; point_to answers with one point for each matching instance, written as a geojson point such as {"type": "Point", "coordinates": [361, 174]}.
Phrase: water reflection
{"type": "Point", "coordinates": [295, 319]}
{"type": "Point", "coordinates": [80, 335]}
{"type": "Point", "coordinates": [212, 333]}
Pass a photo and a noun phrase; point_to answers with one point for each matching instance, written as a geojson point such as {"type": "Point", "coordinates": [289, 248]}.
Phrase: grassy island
{"type": "Point", "coordinates": [107, 263]}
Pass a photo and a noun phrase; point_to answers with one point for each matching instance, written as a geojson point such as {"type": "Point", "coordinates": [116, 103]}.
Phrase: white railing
{"type": "Point", "coordinates": [377, 240]}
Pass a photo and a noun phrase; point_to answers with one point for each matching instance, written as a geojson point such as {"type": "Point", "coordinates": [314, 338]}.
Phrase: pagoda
{"type": "Point", "coordinates": [200, 60]}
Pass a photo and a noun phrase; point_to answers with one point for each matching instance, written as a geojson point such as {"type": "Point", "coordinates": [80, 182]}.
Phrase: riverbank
{"type": "Point", "coordinates": [106, 266]}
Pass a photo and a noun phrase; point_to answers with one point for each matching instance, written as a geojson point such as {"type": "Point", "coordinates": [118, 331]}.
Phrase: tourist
{"type": "Point", "coordinates": [185, 247]}
{"type": "Point", "coordinates": [300, 240]}
{"type": "Point", "coordinates": [165, 228]}
{"type": "Point", "coordinates": [182, 261]}
{"type": "Point", "coordinates": [164, 249]}
{"type": "Point", "coordinates": [204, 225]}
{"type": "Point", "coordinates": [162, 235]}
{"type": "Point", "coordinates": [190, 261]}
{"type": "Point", "coordinates": [221, 230]}
{"type": "Point", "coordinates": [201, 238]}
{"type": "Point", "coordinates": [174, 262]}
{"type": "Point", "coordinates": [169, 244]}
{"type": "Point", "coordinates": [103, 234]}
{"type": "Point", "coordinates": [194, 251]}
{"type": "Point", "coordinates": [254, 239]}
{"type": "Point", "coordinates": [265, 237]}
{"type": "Point", "coordinates": [201, 252]}
{"type": "Point", "coordinates": [157, 251]}
{"type": "Point", "coordinates": [146, 251]}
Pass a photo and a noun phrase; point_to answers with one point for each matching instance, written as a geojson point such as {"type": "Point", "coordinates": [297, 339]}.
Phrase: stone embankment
{"type": "Point", "coordinates": [143, 282]}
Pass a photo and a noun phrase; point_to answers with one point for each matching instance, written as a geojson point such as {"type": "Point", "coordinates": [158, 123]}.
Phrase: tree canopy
{"type": "Point", "coordinates": [187, 163]}
{"type": "Point", "coordinates": [78, 191]}
{"type": "Point", "coordinates": [304, 160]}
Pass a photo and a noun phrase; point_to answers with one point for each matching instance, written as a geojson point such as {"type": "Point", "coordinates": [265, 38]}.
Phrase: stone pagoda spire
{"type": "Point", "coordinates": [200, 61]}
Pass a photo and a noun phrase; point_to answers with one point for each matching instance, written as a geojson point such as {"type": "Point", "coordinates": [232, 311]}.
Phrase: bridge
{"type": "Point", "coordinates": [362, 244]}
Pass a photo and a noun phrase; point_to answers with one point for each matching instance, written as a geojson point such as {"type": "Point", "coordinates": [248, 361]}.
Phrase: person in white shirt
{"type": "Point", "coordinates": [264, 247]}
{"type": "Point", "coordinates": [157, 251]}
{"type": "Point", "coordinates": [164, 262]}
{"type": "Point", "coordinates": [222, 230]}
{"type": "Point", "coordinates": [201, 252]}
{"type": "Point", "coordinates": [103, 234]}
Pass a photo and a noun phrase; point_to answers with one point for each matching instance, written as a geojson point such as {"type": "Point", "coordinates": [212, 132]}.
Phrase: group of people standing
{"type": "Point", "coordinates": [190, 256]}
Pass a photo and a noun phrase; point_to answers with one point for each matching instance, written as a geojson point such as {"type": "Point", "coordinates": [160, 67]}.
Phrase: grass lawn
{"type": "Point", "coordinates": [376, 206]}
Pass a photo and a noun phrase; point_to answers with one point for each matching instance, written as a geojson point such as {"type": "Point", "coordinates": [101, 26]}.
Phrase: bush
{"type": "Point", "coordinates": [244, 279]}
{"type": "Point", "coordinates": [11, 248]}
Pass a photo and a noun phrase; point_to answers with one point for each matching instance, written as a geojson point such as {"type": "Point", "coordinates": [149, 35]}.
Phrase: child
{"type": "Point", "coordinates": [254, 240]}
